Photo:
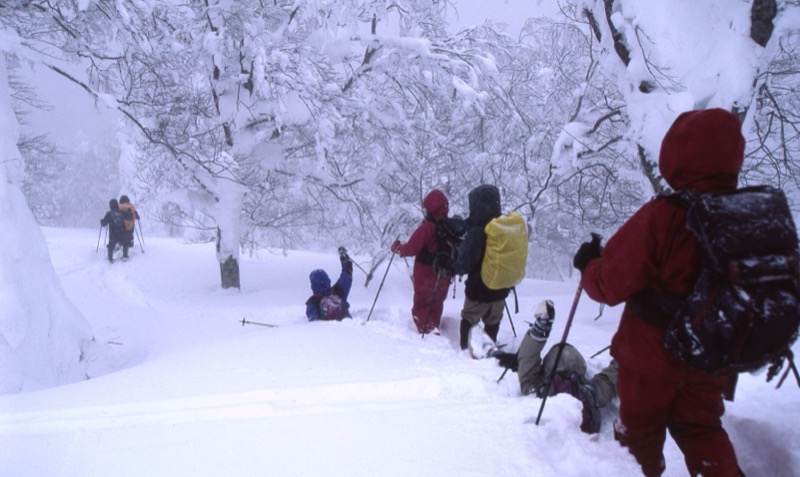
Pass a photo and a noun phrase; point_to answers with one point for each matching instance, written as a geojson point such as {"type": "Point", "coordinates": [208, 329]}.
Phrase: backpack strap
{"type": "Point", "coordinates": [654, 306]}
{"type": "Point", "coordinates": [314, 299]}
{"type": "Point", "coordinates": [425, 255]}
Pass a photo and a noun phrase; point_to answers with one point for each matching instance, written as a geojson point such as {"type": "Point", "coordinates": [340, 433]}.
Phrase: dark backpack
{"type": "Point", "coordinates": [117, 223]}
{"type": "Point", "coordinates": [449, 235]}
{"type": "Point", "coordinates": [744, 309]}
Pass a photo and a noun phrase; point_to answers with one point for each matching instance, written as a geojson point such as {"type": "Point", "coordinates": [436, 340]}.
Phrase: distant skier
{"type": "Point", "coordinates": [330, 302]}
{"type": "Point", "coordinates": [126, 205]}
{"type": "Point", "coordinates": [115, 220]}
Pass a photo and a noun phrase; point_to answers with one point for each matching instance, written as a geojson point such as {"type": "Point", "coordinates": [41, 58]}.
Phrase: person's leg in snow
{"type": "Point", "coordinates": [473, 312]}
{"type": "Point", "coordinates": [492, 317]}
{"type": "Point", "coordinates": [430, 291]}
{"type": "Point", "coordinates": [534, 372]}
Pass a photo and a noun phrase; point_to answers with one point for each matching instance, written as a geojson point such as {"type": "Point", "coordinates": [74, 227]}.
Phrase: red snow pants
{"type": "Point", "coordinates": [688, 404]}
{"type": "Point", "coordinates": [428, 297]}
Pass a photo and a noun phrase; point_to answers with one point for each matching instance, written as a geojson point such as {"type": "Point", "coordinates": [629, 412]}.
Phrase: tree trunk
{"type": "Point", "coordinates": [228, 267]}
{"type": "Point", "coordinates": [229, 273]}
{"type": "Point", "coordinates": [761, 16]}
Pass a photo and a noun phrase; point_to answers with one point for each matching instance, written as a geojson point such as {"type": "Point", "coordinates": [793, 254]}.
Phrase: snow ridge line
{"type": "Point", "coordinates": [258, 404]}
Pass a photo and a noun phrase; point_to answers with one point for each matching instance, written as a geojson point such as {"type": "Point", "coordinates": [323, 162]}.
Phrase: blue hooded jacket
{"type": "Point", "coordinates": [321, 287]}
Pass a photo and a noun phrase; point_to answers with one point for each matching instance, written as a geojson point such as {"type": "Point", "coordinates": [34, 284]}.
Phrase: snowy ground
{"type": "Point", "coordinates": [181, 388]}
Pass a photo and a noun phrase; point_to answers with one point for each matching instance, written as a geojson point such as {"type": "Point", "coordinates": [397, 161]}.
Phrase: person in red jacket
{"type": "Point", "coordinates": [654, 253]}
{"type": "Point", "coordinates": [430, 288]}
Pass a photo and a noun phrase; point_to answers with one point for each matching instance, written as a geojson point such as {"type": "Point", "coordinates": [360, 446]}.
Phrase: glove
{"type": "Point", "coordinates": [347, 265]}
{"type": "Point", "coordinates": [507, 360]}
{"type": "Point", "coordinates": [101, 223]}
{"type": "Point", "coordinates": [395, 246]}
{"type": "Point", "coordinates": [343, 253]}
{"type": "Point", "coordinates": [587, 252]}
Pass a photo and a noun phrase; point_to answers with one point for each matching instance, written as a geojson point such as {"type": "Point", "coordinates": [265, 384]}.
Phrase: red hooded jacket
{"type": "Point", "coordinates": [424, 237]}
{"type": "Point", "coordinates": [702, 150]}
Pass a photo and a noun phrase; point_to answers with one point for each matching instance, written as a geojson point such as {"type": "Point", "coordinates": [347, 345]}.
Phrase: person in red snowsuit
{"type": "Point", "coordinates": [655, 252]}
{"type": "Point", "coordinates": [430, 288]}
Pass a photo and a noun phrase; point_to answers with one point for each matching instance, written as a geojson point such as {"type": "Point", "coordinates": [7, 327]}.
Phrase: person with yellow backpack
{"type": "Point", "coordinates": [125, 205]}
{"type": "Point", "coordinates": [493, 256]}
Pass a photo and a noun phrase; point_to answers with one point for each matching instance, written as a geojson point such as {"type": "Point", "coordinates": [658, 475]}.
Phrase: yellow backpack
{"type": "Point", "coordinates": [506, 251]}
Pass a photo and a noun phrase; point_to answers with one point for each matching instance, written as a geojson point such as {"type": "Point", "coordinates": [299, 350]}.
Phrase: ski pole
{"type": "Point", "coordinates": [791, 368]}
{"type": "Point", "coordinates": [600, 313]}
{"type": "Point", "coordinates": [140, 238]}
{"type": "Point", "coordinates": [502, 375]}
{"type": "Point", "coordinates": [359, 267]}
{"type": "Point", "coordinates": [248, 322]}
{"type": "Point", "coordinates": [343, 251]}
{"type": "Point", "coordinates": [380, 286]}
{"type": "Point", "coordinates": [599, 352]}
{"type": "Point", "coordinates": [430, 305]}
{"type": "Point", "coordinates": [99, 234]}
{"type": "Point", "coordinates": [410, 271]}
{"type": "Point", "coordinates": [509, 319]}
{"type": "Point", "coordinates": [560, 349]}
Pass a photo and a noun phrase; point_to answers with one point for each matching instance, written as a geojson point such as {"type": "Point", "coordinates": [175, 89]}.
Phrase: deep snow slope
{"type": "Point", "coordinates": [180, 387]}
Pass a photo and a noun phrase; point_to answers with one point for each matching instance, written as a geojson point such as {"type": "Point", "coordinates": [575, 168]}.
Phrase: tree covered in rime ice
{"type": "Point", "coordinates": [648, 62]}
{"type": "Point", "coordinates": [44, 341]}
{"type": "Point", "coordinates": [319, 123]}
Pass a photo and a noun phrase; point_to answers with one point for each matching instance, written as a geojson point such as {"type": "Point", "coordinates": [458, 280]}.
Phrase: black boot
{"type": "Point", "coordinates": [492, 331]}
{"type": "Point", "coordinates": [465, 327]}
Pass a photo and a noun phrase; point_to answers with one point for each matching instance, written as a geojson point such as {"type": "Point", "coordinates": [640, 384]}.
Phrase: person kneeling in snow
{"type": "Point", "coordinates": [330, 302]}
{"type": "Point", "coordinates": [570, 378]}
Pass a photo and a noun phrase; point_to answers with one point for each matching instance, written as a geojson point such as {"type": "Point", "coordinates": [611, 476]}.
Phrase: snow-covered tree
{"type": "Point", "coordinates": [663, 69]}
{"type": "Point", "coordinates": [43, 337]}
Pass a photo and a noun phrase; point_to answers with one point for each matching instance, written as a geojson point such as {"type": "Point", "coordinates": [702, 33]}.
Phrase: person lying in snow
{"type": "Point", "coordinates": [330, 302]}
{"type": "Point", "coordinates": [534, 372]}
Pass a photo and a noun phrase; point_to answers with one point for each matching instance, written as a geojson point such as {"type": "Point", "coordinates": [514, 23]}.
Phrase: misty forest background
{"type": "Point", "coordinates": [318, 123]}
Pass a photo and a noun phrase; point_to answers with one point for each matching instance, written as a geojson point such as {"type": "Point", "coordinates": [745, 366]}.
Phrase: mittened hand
{"type": "Point", "coordinates": [395, 246]}
{"type": "Point", "coordinates": [347, 265]}
{"type": "Point", "coordinates": [587, 252]}
{"type": "Point", "coordinates": [508, 360]}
